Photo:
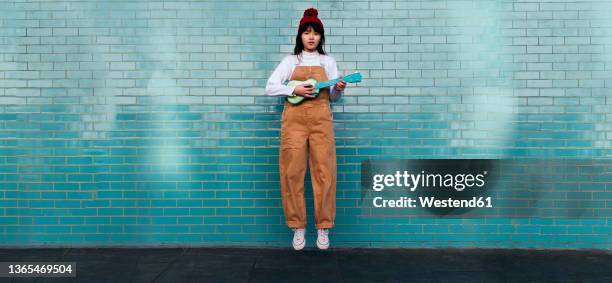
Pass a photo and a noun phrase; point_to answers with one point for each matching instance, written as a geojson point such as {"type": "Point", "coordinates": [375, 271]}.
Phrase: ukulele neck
{"type": "Point", "coordinates": [327, 83]}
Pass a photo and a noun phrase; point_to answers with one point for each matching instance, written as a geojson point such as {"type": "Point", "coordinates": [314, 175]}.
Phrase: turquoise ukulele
{"type": "Point", "coordinates": [296, 99]}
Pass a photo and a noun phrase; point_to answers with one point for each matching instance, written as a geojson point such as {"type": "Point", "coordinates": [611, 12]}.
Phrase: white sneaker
{"type": "Point", "coordinates": [299, 239]}
{"type": "Point", "coordinates": [323, 238]}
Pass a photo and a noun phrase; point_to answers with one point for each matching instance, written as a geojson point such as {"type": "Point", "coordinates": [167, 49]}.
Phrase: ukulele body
{"type": "Point", "coordinates": [296, 99]}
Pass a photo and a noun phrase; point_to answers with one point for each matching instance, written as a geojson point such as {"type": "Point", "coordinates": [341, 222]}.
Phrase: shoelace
{"type": "Point", "coordinates": [324, 231]}
{"type": "Point", "coordinates": [300, 235]}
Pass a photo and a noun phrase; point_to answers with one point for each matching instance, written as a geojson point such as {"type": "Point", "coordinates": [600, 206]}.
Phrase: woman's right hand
{"type": "Point", "coordinates": [305, 90]}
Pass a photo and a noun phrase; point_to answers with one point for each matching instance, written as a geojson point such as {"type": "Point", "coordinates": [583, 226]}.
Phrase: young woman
{"type": "Point", "coordinates": [307, 133]}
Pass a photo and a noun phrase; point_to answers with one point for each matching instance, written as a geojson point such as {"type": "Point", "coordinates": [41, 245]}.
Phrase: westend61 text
{"type": "Point", "coordinates": [474, 202]}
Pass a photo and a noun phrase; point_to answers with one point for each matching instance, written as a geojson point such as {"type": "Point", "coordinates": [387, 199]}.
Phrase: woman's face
{"type": "Point", "coordinates": [311, 39]}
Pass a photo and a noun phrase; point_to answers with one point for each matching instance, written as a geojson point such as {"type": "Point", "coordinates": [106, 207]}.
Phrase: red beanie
{"type": "Point", "coordinates": [310, 16]}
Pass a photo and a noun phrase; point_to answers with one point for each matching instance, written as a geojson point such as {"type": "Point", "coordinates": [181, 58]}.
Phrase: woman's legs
{"type": "Point", "coordinates": [322, 161]}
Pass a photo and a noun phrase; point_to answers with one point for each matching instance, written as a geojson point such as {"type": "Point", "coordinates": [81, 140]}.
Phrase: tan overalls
{"type": "Point", "coordinates": [307, 132]}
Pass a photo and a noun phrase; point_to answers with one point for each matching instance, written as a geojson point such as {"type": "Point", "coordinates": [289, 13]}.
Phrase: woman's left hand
{"type": "Point", "coordinates": [340, 85]}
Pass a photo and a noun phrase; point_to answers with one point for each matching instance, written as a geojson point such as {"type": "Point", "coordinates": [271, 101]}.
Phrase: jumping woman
{"type": "Point", "coordinates": [307, 133]}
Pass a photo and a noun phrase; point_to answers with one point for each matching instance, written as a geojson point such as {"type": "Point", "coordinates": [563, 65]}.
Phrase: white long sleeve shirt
{"type": "Point", "coordinates": [283, 71]}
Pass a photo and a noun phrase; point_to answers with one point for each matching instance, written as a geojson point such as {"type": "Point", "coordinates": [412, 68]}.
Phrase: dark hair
{"type": "Point", "coordinates": [299, 45]}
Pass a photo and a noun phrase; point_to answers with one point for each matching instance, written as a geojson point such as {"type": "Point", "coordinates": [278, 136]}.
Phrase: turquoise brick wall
{"type": "Point", "coordinates": [145, 122]}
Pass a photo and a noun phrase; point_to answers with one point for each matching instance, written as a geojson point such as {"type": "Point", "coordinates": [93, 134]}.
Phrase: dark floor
{"type": "Point", "coordinates": [311, 265]}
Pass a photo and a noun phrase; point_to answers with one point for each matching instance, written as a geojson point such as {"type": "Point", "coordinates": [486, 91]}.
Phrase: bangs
{"type": "Point", "coordinates": [314, 26]}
